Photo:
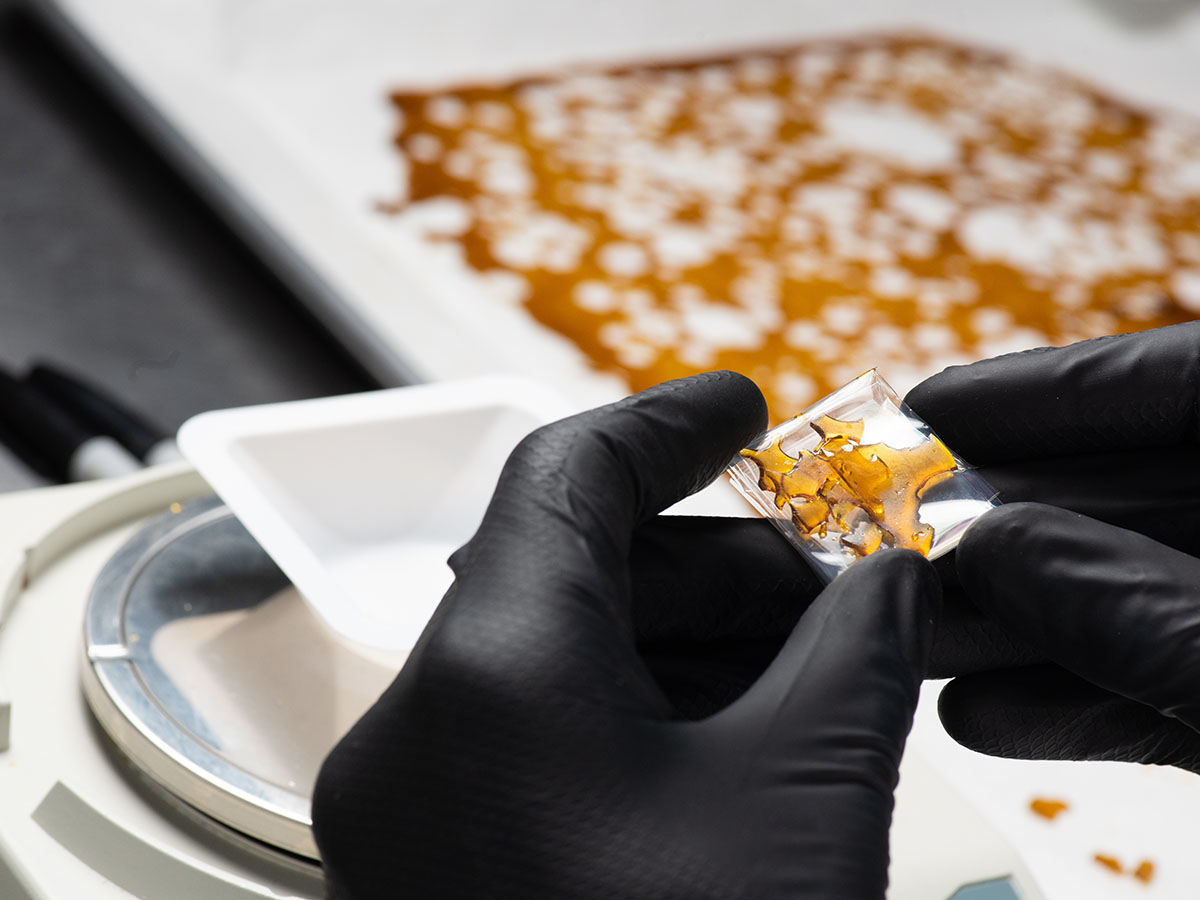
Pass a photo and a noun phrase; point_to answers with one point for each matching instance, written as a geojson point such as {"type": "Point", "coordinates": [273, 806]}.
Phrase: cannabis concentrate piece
{"type": "Point", "coordinates": [858, 472]}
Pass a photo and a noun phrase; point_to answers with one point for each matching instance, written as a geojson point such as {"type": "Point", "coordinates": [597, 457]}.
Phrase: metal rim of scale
{"type": "Point", "coordinates": [129, 707]}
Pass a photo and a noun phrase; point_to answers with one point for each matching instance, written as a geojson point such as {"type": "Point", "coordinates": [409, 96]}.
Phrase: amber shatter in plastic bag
{"type": "Point", "coordinates": [859, 472]}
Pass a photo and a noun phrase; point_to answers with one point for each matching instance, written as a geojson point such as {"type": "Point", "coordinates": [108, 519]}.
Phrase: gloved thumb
{"type": "Point", "coordinates": [829, 718]}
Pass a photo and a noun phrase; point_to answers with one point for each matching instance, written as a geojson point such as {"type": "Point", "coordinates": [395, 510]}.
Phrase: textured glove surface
{"type": "Point", "coordinates": [1103, 586]}
{"type": "Point", "coordinates": [531, 746]}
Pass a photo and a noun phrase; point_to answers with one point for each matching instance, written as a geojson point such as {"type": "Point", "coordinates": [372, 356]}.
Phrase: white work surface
{"type": "Point", "coordinates": [279, 109]}
{"type": "Point", "coordinates": [1129, 812]}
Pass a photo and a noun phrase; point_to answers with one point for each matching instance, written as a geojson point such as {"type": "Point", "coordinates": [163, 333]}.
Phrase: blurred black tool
{"type": "Point", "coordinates": [104, 414]}
{"type": "Point", "coordinates": [53, 441]}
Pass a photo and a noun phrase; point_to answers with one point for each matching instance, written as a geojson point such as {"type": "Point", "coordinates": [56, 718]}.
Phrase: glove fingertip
{"type": "Point", "coordinates": [907, 592]}
{"type": "Point", "coordinates": [955, 708]}
{"type": "Point", "coordinates": [999, 543]}
{"type": "Point", "coordinates": [931, 394]}
{"type": "Point", "coordinates": [988, 714]}
{"type": "Point", "coordinates": [733, 391]}
{"type": "Point", "coordinates": [939, 401]}
{"type": "Point", "coordinates": [747, 392]}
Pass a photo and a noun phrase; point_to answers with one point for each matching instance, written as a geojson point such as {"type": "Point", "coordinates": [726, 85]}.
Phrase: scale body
{"type": "Point", "coordinates": [77, 819]}
{"type": "Point", "coordinates": [85, 812]}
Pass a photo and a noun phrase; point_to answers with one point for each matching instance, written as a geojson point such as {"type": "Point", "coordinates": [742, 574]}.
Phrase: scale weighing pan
{"type": "Point", "coordinates": [208, 670]}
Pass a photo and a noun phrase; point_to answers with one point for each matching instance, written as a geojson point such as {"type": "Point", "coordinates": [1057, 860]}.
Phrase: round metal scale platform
{"type": "Point", "coordinates": [208, 670]}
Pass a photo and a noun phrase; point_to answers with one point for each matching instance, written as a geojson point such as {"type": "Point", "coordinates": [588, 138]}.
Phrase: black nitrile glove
{"type": "Point", "coordinates": [527, 751]}
{"type": "Point", "coordinates": [1104, 586]}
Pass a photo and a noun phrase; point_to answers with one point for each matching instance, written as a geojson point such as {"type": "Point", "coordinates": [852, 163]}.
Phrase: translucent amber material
{"type": "Point", "coordinates": [1048, 808]}
{"type": "Point", "coordinates": [1110, 862]}
{"type": "Point", "coordinates": [1144, 872]}
{"type": "Point", "coordinates": [867, 493]}
{"type": "Point", "coordinates": [858, 473]}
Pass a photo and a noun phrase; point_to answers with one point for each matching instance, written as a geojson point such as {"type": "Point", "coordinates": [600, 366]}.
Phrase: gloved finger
{"type": "Point", "coordinates": [698, 579]}
{"type": "Point", "coordinates": [1113, 393]}
{"type": "Point", "coordinates": [713, 601]}
{"type": "Point", "coordinates": [1154, 492]}
{"type": "Point", "coordinates": [1157, 495]}
{"type": "Point", "coordinates": [548, 569]}
{"type": "Point", "coordinates": [699, 680]}
{"type": "Point", "coordinates": [1115, 607]}
{"type": "Point", "coordinates": [702, 677]}
{"type": "Point", "coordinates": [715, 598]}
{"type": "Point", "coordinates": [968, 641]}
{"type": "Point", "coordinates": [1045, 712]}
{"type": "Point", "coordinates": [832, 713]}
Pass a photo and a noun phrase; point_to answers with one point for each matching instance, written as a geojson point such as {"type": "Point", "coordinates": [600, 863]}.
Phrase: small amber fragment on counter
{"type": "Point", "coordinates": [1047, 809]}
{"type": "Point", "coordinates": [1144, 871]}
{"type": "Point", "coordinates": [1110, 862]}
{"type": "Point", "coordinates": [869, 494]}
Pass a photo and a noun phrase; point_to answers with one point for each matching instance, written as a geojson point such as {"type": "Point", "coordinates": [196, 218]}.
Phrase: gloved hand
{"type": "Point", "coordinates": [527, 751]}
{"type": "Point", "coordinates": [1104, 585]}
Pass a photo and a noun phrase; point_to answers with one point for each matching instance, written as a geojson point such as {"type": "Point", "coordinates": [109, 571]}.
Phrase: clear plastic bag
{"type": "Point", "coordinates": [859, 472]}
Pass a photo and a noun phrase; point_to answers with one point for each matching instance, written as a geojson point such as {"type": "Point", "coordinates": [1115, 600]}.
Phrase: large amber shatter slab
{"type": "Point", "coordinates": [858, 473]}
{"type": "Point", "coordinates": [803, 212]}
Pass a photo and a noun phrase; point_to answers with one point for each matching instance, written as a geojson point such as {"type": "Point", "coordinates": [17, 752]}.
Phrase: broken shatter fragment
{"type": "Point", "coordinates": [1144, 871]}
{"type": "Point", "coordinates": [773, 464]}
{"type": "Point", "coordinates": [809, 513]}
{"type": "Point", "coordinates": [1110, 862]}
{"type": "Point", "coordinates": [829, 427]}
{"type": "Point", "coordinates": [1047, 809]}
{"type": "Point", "coordinates": [807, 478]}
{"type": "Point", "coordinates": [866, 538]}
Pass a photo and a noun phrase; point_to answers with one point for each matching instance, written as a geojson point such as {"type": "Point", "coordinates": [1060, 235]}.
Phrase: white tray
{"type": "Point", "coordinates": [361, 499]}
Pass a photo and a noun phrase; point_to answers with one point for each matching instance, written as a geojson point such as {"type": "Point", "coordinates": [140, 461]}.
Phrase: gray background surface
{"type": "Point", "coordinates": [111, 266]}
